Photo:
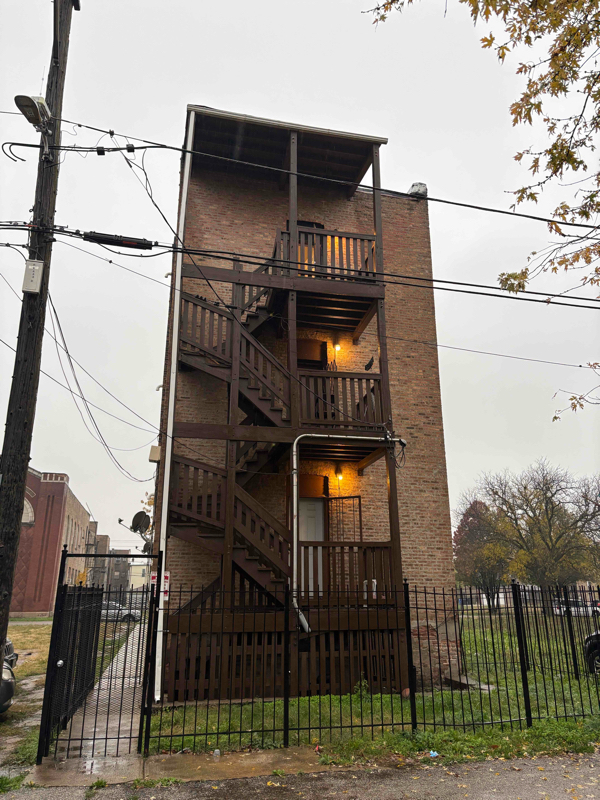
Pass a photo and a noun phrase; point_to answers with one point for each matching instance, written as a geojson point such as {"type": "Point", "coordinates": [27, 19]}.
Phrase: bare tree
{"type": "Point", "coordinates": [550, 522]}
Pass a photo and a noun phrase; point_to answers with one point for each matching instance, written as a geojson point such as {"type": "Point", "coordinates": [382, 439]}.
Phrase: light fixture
{"type": "Point", "coordinates": [338, 472]}
{"type": "Point", "coordinates": [338, 348]}
{"type": "Point", "coordinates": [35, 110]}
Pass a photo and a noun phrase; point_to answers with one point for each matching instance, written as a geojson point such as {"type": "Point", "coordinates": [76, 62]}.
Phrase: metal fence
{"type": "Point", "coordinates": [239, 673]}
{"type": "Point", "coordinates": [98, 659]}
{"type": "Point", "coordinates": [251, 669]}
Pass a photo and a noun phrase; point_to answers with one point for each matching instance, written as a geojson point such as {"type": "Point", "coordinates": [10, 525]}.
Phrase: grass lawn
{"type": "Point", "coordinates": [14, 728]}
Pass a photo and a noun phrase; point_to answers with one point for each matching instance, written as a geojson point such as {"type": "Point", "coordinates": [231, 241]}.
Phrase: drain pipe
{"type": "Point", "coordinates": [295, 504]}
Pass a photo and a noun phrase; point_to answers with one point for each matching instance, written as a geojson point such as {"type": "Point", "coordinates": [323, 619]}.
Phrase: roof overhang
{"type": "Point", "coordinates": [226, 141]}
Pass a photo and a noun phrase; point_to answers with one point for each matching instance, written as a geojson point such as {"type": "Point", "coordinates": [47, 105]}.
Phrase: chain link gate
{"type": "Point", "coordinates": [99, 663]}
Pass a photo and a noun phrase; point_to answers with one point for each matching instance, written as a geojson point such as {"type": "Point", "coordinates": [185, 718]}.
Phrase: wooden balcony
{"type": "Point", "coordinates": [328, 254]}
{"type": "Point", "coordinates": [340, 400]}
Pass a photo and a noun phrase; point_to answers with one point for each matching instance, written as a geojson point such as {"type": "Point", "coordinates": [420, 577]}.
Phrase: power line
{"type": "Point", "coordinates": [282, 170]}
{"type": "Point", "coordinates": [386, 278]}
{"type": "Point", "coordinates": [413, 341]}
{"type": "Point", "coordinates": [98, 436]}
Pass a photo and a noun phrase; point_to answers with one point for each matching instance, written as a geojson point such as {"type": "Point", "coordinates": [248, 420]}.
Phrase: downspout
{"type": "Point", "coordinates": [168, 449]}
{"type": "Point", "coordinates": [295, 504]}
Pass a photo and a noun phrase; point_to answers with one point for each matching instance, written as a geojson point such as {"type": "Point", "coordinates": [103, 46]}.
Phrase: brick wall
{"type": "Point", "coordinates": [236, 213]}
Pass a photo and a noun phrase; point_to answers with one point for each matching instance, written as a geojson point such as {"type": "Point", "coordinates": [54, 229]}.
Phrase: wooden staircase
{"type": "Point", "coordinates": [262, 544]}
{"type": "Point", "coordinates": [252, 457]}
{"type": "Point", "coordinates": [206, 344]}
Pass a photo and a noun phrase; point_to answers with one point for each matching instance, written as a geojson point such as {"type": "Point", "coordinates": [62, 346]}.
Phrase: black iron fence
{"type": "Point", "coordinates": [255, 669]}
{"type": "Point", "coordinates": [98, 657]}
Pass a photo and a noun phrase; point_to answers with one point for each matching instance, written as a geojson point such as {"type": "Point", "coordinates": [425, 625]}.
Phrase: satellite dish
{"type": "Point", "coordinates": [140, 522]}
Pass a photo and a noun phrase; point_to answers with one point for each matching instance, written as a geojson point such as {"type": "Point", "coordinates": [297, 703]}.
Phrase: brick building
{"type": "Point", "coordinates": [52, 517]}
{"type": "Point", "coordinates": [282, 324]}
{"type": "Point", "coordinates": [118, 570]}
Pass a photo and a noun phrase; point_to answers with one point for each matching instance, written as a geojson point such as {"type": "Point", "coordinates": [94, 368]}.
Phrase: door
{"type": "Point", "coordinates": [311, 529]}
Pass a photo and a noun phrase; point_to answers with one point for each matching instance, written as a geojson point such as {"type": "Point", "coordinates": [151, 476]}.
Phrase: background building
{"type": "Point", "coordinates": [52, 517]}
{"type": "Point", "coordinates": [118, 570]}
{"type": "Point", "coordinates": [139, 574]}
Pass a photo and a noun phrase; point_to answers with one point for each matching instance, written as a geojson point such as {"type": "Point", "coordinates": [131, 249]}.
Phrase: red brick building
{"type": "Point", "coordinates": [285, 321]}
{"type": "Point", "coordinates": [52, 517]}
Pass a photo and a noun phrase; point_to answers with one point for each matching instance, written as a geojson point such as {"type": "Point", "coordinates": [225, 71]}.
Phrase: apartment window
{"type": "Point", "coordinates": [143, 573]}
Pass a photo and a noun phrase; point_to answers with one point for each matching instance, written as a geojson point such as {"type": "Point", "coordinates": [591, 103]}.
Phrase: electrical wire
{"type": "Point", "coordinates": [389, 336]}
{"type": "Point", "coordinates": [386, 278]}
{"type": "Point", "coordinates": [98, 435]}
{"type": "Point", "coordinates": [159, 431]}
{"type": "Point", "coordinates": [282, 170]}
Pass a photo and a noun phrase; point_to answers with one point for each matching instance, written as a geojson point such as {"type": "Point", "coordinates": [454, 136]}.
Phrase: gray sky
{"type": "Point", "coordinates": [421, 79]}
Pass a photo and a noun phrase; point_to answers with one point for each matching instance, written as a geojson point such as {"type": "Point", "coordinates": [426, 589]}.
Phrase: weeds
{"type": "Point", "coordinates": [11, 784]}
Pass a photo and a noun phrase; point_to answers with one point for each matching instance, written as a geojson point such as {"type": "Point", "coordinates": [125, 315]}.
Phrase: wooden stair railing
{"type": "Point", "coordinates": [263, 375]}
{"type": "Point", "coordinates": [264, 532]}
{"type": "Point", "coordinates": [206, 343]}
{"type": "Point", "coordinates": [198, 492]}
{"type": "Point", "coordinates": [205, 329]}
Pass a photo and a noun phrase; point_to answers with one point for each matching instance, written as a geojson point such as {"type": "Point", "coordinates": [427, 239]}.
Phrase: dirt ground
{"type": "Point", "coordinates": [576, 778]}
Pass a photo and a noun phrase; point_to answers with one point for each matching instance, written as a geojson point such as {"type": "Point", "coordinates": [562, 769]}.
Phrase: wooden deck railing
{"type": "Point", "coordinates": [341, 567]}
{"type": "Point", "coordinates": [340, 399]}
{"type": "Point", "coordinates": [328, 254]}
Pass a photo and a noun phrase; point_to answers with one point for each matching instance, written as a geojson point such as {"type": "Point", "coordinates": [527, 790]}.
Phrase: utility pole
{"type": "Point", "coordinates": [18, 432]}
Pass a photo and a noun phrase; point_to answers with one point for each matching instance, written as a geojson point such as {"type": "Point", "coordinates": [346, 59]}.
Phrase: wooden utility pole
{"type": "Point", "coordinates": [20, 416]}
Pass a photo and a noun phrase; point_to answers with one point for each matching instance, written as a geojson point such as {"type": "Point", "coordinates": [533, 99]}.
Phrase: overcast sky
{"type": "Point", "coordinates": [420, 79]}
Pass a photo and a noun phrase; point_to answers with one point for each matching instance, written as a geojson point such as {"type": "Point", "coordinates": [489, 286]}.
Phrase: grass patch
{"type": "Point", "coordinates": [94, 787]}
{"type": "Point", "coordinates": [11, 784]}
{"type": "Point", "coordinates": [26, 751]}
{"type": "Point", "coordinates": [549, 737]}
{"type": "Point", "coordinates": [30, 638]}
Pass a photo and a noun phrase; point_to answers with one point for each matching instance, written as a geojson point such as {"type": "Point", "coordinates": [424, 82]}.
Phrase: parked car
{"type": "Point", "coordinates": [7, 688]}
{"type": "Point", "coordinates": [591, 648]}
{"type": "Point", "coordinates": [114, 612]}
{"type": "Point", "coordinates": [579, 608]}
{"type": "Point", "coordinates": [9, 654]}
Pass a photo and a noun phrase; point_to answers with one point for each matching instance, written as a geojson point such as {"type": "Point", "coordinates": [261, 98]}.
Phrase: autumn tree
{"type": "Point", "coordinates": [558, 44]}
{"type": "Point", "coordinates": [480, 558]}
{"type": "Point", "coordinates": [550, 523]}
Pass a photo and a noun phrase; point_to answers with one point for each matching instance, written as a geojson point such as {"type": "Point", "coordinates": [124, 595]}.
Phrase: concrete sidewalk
{"type": "Point", "coordinates": [576, 777]}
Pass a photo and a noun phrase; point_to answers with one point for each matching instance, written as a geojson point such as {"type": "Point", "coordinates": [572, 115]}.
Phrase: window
{"type": "Point", "coordinates": [143, 572]}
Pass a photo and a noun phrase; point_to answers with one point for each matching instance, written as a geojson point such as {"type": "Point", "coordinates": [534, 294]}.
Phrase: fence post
{"type": "Point", "coordinates": [45, 722]}
{"type": "Point", "coordinates": [569, 617]}
{"type": "Point", "coordinates": [412, 670]}
{"type": "Point", "coordinates": [152, 655]}
{"type": "Point", "coordinates": [516, 593]}
{"type": "Point", "coordinates": [286, 668]}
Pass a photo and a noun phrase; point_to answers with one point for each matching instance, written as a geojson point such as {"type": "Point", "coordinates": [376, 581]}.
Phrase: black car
{"type": "Point", "coordinates": [7, 688]}
{"type": "Point", "coordinates": [7, 684]}
{"type": "Point", "coordinates": [591, 647]}
{"type": "Point", "coordinates": [10, 656]}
